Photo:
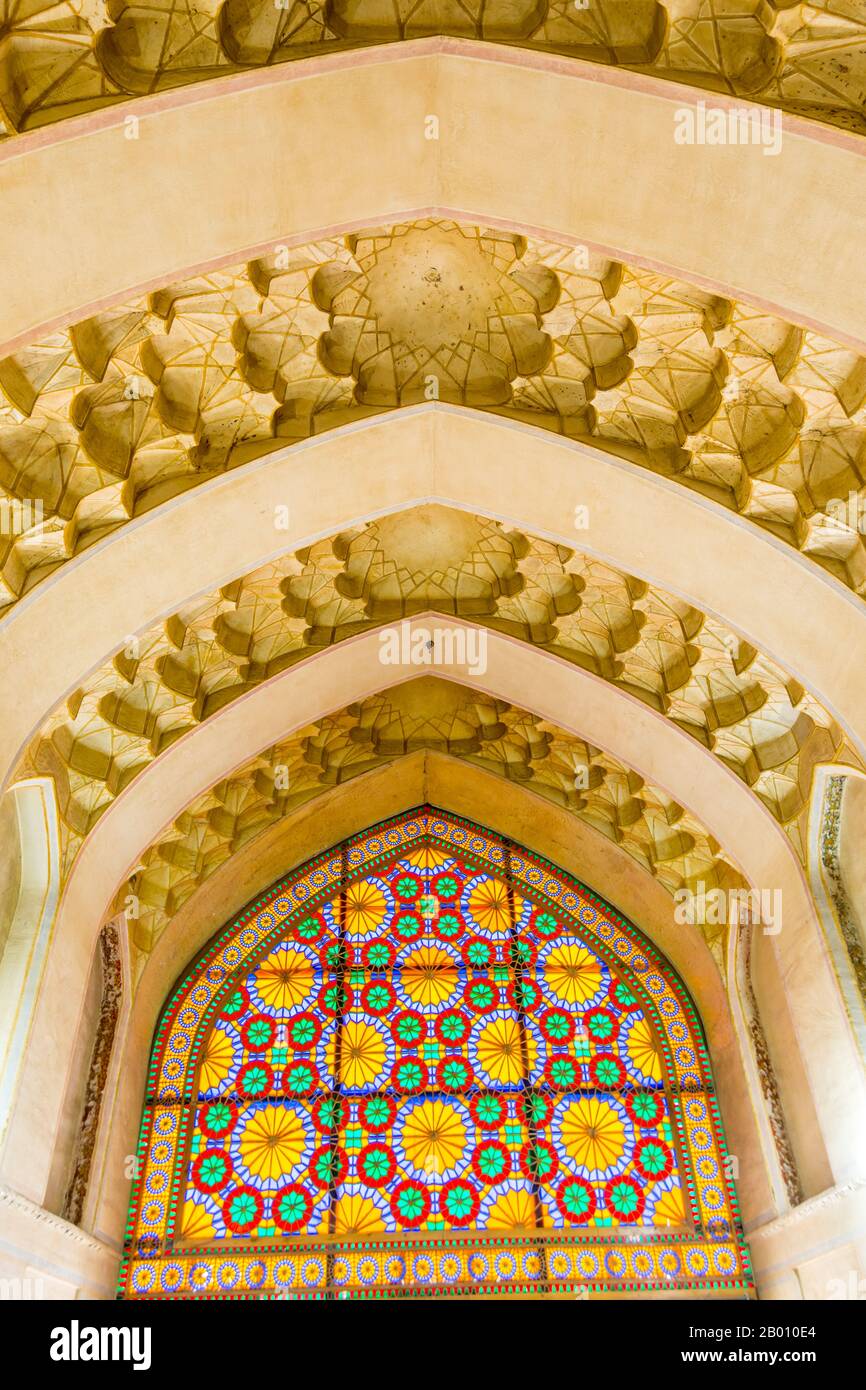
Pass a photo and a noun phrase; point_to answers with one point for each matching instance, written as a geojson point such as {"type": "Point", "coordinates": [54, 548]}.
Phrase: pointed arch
{"type": "Point", "coordinates": [430, 1061]}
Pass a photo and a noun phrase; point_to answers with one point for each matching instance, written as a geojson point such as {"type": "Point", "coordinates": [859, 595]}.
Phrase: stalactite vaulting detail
{"type": "Point", "coordinates": [426, 713]}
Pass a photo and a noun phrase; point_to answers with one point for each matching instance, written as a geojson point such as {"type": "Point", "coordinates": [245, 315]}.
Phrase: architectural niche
{"type": "Point", "coordinates": [123, 411]}
{"type": "Point", "coordinates": [111, 997]}
{"type": "Point", "coordinates": [292, 1042]}
{"type": "Point", "coordinates": [59, 60]}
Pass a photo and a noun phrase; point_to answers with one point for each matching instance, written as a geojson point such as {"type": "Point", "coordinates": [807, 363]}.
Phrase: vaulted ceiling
{"type": "Point", "coordinates": [327, 321]}
{"type": "Point", "coordinates": [59, 60]}
{"type": "Point", "coordinates": [116, 415]}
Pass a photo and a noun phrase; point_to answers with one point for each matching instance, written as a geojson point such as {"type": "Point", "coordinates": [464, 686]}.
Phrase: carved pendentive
{"type": "Point", "coordinates": [112, 994]}
{"type": "Point", "coordinates": [439, 308]}
{"type": "Point", "coordinates": [769, 1083]}
{"type": "Point", "coordinates": [831, 833]}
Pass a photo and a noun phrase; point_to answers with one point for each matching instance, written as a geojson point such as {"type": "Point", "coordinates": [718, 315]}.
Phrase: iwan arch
{"type": "Point", "coordinates": [560, 402]}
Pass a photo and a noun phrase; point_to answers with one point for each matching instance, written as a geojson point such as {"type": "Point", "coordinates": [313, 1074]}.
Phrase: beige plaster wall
{"type": "Point", "coordinates": [798, 1103]}
{"type": "Point", "coordinates": [10, 867]}
{"type": "Point", "coordinates": [28, 941]}
{"type": "Point", "coordinates": [815, 1252]}
{"type": "Point", "coordinates": [45, 1257]}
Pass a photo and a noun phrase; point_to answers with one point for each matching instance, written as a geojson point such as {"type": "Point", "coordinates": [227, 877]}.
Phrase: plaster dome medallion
{"type": "Point", "coordinates": [435, 312]}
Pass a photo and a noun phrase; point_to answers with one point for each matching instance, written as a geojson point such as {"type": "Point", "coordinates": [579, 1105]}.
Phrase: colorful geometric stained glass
{"type": "Point", "coordinates": [428, 1062]}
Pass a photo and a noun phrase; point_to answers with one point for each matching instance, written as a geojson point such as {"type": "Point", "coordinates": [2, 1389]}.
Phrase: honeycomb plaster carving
{"type": "Point", "coordinates": [691, 668]}
{"type": "Point", "coordinates": [125, 410]}
{"type": "Point", "coordinates": [64, 59]}
{"type": "Point", "coordinates": [425, 713]}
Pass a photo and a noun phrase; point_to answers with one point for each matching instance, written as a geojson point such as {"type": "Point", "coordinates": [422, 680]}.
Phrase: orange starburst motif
{"type": "Point", "coordinates": [514, 1210]}
{"type": "Point", "coordinates": [216, 1059]}
{"type": "Point", "coordinates": [491, 907]}
{"type": "Point", "coordinates": [593, 1134]}
{"type": "Point", "coordinates": [434, 1136]}
{"type": "Point", "coordinates": [196, 1223]}
{"type": "Point", "coordinates": [357, 1216]}
{"type": "Point", "coordinates": [365, 908]}
{"type": "Point", "coordinates": [572, 973]}
{"type": "Point", "coordinates": [669, 1210]}
{"type": "Point", "coordinates": [284, 979]}
{"type": "Point", "coordinates": [505, 1051]}
{"type": "Point", "coordinates": [429, 975]}
{"type": "Point", "coordinates": [643, 1051]}
{"type": "Point", "coordinates": [427, 857]}
{"type": "Point", "coordinates": [362, 1053]}
{"type": "Point", "coordinates": [272, 1142]}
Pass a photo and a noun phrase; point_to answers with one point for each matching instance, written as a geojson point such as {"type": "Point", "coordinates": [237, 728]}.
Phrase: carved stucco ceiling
{"type": "Point", "coordinates": [59, 60]}
{"type": "Point", "coordinates": [104, 421]}
{"type": "Point", "coordinates": [427, 713]}
{"type": "Point", "coordinates": [743, 707]}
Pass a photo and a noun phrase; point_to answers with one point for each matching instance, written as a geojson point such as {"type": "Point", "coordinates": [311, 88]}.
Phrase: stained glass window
{"type": "Point", "coordinates": [430, 1062]}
